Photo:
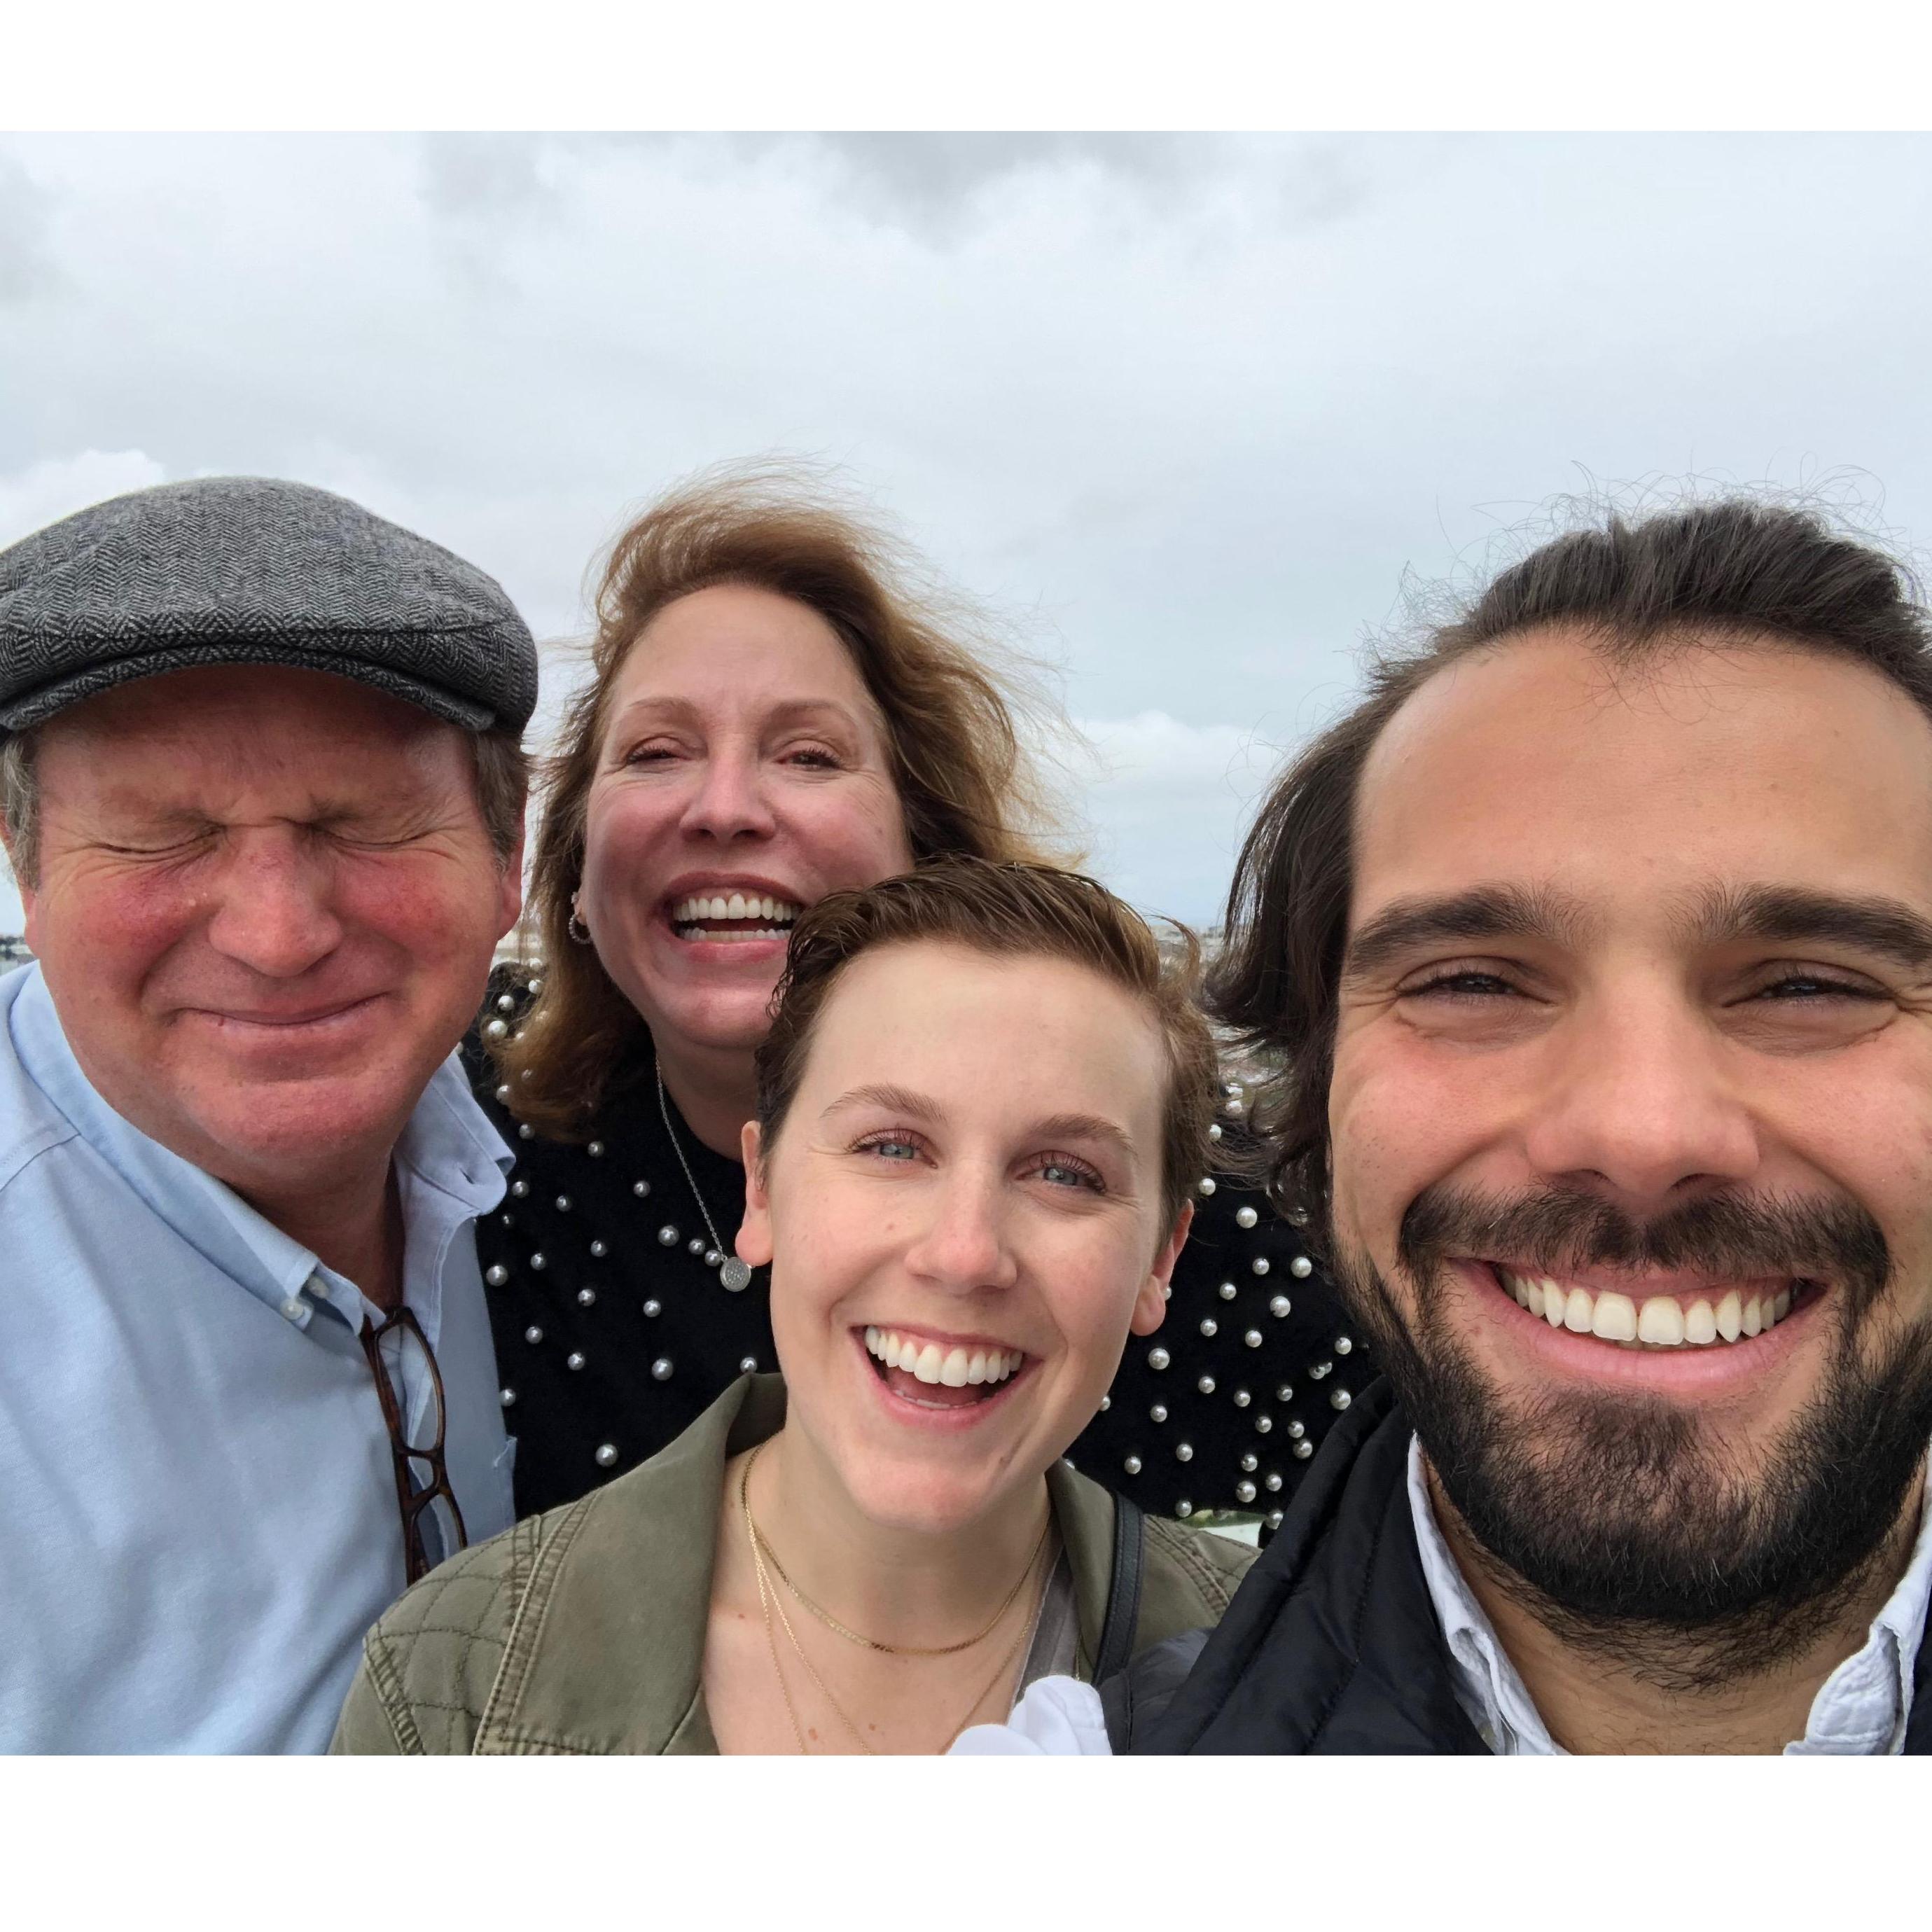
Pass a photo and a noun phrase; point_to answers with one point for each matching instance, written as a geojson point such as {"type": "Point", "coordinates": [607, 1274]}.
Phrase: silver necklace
{"type": "Point", "coordinates": [733, 1272]}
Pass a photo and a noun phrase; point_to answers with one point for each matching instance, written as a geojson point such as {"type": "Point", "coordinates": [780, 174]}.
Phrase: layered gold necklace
{"type": "Point", "coordinates": [769, 1601]}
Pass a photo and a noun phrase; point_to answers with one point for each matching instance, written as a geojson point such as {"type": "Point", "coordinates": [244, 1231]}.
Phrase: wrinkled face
{"type": "Point", "coordinates": [1632, 1112]}
{"type": "Point", "coordinates": [963, 1213]}
{"type": "Point", "coordinates": [266, 907]}
{"type": "Point", "coordinates": [741, 776]}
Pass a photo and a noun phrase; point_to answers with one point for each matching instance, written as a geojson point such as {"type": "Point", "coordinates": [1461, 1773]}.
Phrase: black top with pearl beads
{"type": "Point", "coordinates": [614, 1331]}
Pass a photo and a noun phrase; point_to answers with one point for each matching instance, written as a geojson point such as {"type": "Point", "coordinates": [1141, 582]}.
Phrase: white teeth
{"type": "Point", "coordinates": [697, 910]}
{"type": "Point", "coordinates": [1614, 1318]}
{"type": "Point", "coordinates": [1660, 1322]}
{"type": "Point", "coordinates": [955, 1368]}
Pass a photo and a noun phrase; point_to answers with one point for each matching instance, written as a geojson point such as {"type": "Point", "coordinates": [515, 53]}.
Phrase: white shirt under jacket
{"type": "Point", "coordinates": [1860, 1710]}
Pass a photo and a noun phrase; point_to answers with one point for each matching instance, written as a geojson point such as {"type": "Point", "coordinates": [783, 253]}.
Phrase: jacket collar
{"type": "Point", "coordinates": [628, 1573]}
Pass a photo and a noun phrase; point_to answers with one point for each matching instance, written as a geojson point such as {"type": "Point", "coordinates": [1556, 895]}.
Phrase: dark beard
{"type": "Point", "coordinates": [1608, 1516]}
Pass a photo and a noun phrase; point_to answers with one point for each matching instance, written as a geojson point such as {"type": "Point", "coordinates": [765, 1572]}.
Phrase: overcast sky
{"type": "Point", "coordinates": [1186, 409]}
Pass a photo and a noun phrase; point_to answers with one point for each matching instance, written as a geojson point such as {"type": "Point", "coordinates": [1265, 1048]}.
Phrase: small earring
{"type": "Point", "coordinates": [574, 926]}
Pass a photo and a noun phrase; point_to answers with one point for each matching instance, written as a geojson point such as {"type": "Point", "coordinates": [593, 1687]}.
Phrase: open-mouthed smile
{"type": "Point", "coordinates": [1701, 1316]}
{"type": "Point", "coordinates": [731, 916]}
{"type": "Point", "coordinates": [939, 1372]}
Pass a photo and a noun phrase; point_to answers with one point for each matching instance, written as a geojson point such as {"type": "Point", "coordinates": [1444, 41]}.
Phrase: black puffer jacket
{"type": "Point", "coordinates": [1332, 1645]}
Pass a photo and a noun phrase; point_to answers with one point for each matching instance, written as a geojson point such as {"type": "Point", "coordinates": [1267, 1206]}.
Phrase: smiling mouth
{"type": "Point", "coordinates": [286, 1022]}
{"type": "Point", "coordinates": [931, 1377]}
{"type": "Point", "coordinates": [733, 915]}
{"type": "Point", "coordinates": [1713, 1317]}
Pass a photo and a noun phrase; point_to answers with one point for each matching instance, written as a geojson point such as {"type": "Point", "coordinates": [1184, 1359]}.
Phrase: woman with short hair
{"type": "Point", "coordinates": [980, 1110]}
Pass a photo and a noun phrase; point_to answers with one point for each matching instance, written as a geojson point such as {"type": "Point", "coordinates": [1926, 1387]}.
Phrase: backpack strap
{"type": "Point", "coordinates": [1123, 1592]}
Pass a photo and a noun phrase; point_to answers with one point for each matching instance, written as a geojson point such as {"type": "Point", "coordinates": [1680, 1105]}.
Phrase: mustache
{"type": "Point", "coordinates": [1561, 1230]}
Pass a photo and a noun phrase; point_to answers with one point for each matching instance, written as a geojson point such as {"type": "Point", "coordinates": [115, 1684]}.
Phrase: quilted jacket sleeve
{"type": "Point", "coordinates": [428, 1667]}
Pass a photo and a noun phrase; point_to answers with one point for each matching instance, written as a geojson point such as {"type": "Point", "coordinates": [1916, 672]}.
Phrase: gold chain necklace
{"type": "Point", "coordinates": [768, 1601]}
{"type": "Point", "coordinates": [762, 1543]}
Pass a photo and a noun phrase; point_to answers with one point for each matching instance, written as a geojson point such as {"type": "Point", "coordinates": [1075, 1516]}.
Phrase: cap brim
{"type": "Point", "coordinates": [27, 709]}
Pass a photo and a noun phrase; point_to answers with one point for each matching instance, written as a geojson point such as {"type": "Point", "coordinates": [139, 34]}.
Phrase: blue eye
{"type": "Point", "coordinates": [1064, 1174]}
{"type": "Point", "coordinates": [892, 1148]}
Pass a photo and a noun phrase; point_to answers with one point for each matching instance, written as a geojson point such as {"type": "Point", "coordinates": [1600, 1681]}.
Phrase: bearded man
{"type": "Point", "coordinates": [1596, 947]}
{"type": "Point", "coordinates": [262, 780]}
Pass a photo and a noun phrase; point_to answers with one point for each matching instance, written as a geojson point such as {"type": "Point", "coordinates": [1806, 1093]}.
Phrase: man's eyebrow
{"type": "Point", "coordinates": [1483, 912]}
{"type": "Point", "coordinates": [1870, 923]}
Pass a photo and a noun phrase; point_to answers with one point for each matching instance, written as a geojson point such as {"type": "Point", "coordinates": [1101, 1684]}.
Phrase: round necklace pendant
{"type": "Point", "coordinates": [735, 1274]}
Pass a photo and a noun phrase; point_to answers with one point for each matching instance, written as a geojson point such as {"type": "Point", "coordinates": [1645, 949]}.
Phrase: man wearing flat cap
{"type": "Point", "coordinates": [262, 785]}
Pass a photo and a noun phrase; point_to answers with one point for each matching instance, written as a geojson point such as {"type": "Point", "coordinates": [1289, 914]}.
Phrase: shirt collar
{"type": "Point", "coordinates": [451, 1163]}
{"type": "Point", "coordinates": [1861, 1708]}
{"type": "Point", "coordinates": [1493, 1697]}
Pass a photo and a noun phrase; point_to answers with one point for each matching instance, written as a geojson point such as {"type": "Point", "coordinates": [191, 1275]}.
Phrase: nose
{"type": "Point", "coordinates": [1640, 1106]}
{"type": "Point", "coordinates": [273, 911]}
{"type": "Point", "coordinates": [729, 802]}
{"type": "Point", "coordinates": [963, 1245]}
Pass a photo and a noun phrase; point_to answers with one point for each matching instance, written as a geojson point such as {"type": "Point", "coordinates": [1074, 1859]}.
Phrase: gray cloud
{"type": "Point", "coordinates": [1187, 408]}
{"type": "Point", "coordinates": [27, 267]}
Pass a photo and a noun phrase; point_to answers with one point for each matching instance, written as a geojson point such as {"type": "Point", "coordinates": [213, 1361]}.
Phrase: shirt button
{"type": "Point", "coordinates": [295, 1309]}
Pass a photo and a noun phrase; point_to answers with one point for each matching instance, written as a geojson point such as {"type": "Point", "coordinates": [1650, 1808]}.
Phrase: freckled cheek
{"type": "Point", "coordinates": [429, 910]}
{"type": "Point", "coordinates": [1087, 1288]}
{"type": "Point", "coordinates": [119, 935]}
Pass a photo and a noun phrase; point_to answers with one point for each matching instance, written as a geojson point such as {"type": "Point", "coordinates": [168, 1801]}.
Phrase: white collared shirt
{"type": "Point", "coordinates": [1861, 1710]}
{"type": "Point", "coordinates": [198, 1509]}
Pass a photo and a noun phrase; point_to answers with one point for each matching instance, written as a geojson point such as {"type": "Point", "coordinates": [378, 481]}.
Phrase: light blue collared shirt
{"type": "Point", "coordinates": [1861, 1710]}
{"type": "Point", "coordinates": [198, 1515]}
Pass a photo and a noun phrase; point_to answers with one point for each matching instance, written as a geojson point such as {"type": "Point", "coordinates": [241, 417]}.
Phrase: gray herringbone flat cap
{"type": "Point", "coordinates": [248, 570]}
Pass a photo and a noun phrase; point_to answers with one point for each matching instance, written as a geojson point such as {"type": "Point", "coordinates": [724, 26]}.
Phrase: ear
{"type": "Point", "coordinates": [754, 1232]}
{"type": "Point", "coordinates": [29, 898]}
{"type": "Point", "coordinates": [510, 906]}
{"type": "Point", "coordinates": [1150, 1304]}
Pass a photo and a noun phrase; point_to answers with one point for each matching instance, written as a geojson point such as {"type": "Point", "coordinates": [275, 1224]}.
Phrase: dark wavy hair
{"type": "Point", "coordinates": [1739, 570]}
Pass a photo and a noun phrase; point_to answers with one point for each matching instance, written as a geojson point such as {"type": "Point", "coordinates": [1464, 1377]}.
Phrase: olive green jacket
{"type": "Point", "coordinates": [581, 1631]}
